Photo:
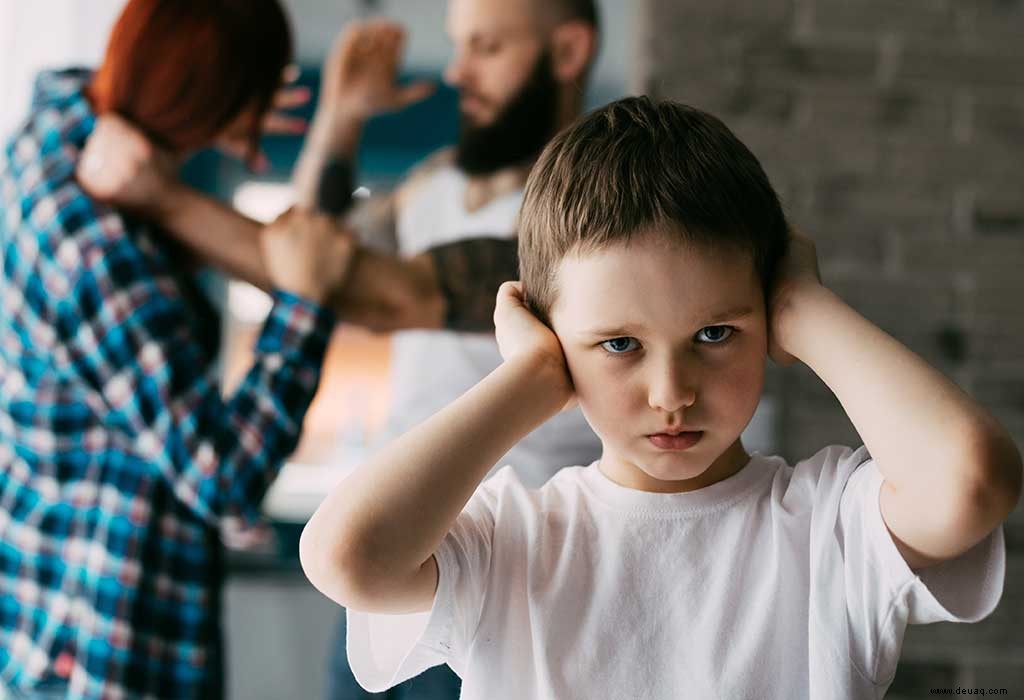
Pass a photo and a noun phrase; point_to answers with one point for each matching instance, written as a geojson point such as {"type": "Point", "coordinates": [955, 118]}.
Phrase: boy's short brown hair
{"type": "Point", "coordinates": [639, 165]}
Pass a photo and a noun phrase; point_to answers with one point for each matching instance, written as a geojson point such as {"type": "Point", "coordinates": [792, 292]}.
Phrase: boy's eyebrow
{"type": "Point", "coordinates": [620, 331]}
{"type": "Point", "coordinates": [730, 314]}
{"type": "Point", "coordinates": [611, 332]}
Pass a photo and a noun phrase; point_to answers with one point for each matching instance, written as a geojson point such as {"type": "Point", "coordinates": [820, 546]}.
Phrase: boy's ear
{"type": "Point", "coordinates": [572, 48]}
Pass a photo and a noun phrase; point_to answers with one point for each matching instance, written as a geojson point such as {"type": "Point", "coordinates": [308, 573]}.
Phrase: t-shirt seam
{"type": "Point", "coordinates": [885, 624]}
{"type": "Point", "coordinates": [487, 581]}
{"type": "Point", "coordinates": [838, 656]}
{"type": "Point", "coordinates": [449, 624]}
{"type": "Point", "coordinates": [894, 594]}
{"type": "Point", "coordinates": [434, 638]}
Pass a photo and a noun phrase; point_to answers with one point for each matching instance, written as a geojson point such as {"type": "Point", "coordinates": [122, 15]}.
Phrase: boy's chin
{"type": "Point", "coordinates": [641, 465]}
{"type": "Point", "coordinates": [664, 468]}
{"type": "Point", "coordinates": [674, 468]}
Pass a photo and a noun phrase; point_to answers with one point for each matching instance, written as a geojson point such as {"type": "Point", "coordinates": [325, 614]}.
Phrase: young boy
{"type": "Point", "coordinates": [677, 565]}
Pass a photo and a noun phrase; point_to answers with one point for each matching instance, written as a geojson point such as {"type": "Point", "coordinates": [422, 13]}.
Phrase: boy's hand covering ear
{"type": "Point", "coordinates": [520, 334]}
{"type": "Point", "coordinates": [797, 274]}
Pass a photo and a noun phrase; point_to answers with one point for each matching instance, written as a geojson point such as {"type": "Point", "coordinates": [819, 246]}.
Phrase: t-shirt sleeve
{"type": "Point", "coordinates": [385, 650]}
{"type": "Point", "coordinates": [883, 594]}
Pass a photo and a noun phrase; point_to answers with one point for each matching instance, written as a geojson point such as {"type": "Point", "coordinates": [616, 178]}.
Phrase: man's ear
{"type": "Point", "coordinates": [573, 45]}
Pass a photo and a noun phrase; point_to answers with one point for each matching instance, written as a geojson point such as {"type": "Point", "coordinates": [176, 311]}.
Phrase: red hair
{"type": "Point", "coordinates": [182, 70]}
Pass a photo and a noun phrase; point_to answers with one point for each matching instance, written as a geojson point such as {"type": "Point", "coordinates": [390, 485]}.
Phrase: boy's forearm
{"type": "Point", "coordinates": [921, 429]}
{"type": "Point", "coordinates": [389, 516]}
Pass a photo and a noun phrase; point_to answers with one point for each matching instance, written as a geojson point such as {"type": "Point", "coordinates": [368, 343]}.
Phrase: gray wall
{"type": "Point", "coordinates": [895, 133]}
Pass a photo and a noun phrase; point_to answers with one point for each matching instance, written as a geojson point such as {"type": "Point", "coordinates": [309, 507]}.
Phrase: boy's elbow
{"type": "Point", "coordinates": [330, 566]}
{"type": "Point", "coordinates": [1002, 472]}
{"type": "Point", "coordinates": [1011, 470]}
{"type": "Point", "coordinates": [313, 558]}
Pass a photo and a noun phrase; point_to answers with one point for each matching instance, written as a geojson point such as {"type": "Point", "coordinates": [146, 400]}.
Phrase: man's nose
{"type": "Point", "coordinates": [672, 386]}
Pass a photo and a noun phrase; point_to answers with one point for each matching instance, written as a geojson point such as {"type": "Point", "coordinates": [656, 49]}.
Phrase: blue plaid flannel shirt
{"type": "Point", "coordinates": [118, 455]}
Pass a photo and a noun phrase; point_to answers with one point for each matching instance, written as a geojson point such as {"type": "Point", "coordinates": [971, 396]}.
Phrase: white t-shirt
{"type": "Point", "coordinates": [778, 582]}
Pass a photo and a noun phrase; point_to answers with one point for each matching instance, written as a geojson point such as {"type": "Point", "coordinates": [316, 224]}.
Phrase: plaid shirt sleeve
{"type": "Point", "coordinates": [128, 333]}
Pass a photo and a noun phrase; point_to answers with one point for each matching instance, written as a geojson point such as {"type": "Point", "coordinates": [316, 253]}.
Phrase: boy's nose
{"type": "Point", "coordinates": [673, 389]}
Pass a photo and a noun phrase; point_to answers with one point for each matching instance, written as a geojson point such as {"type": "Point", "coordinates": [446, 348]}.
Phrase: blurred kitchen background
{"type": "Point", "coordinates": [894, 131]}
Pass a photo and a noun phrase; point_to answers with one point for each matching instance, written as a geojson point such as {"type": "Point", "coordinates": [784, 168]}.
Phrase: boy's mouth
{"type": "Point", "coordinates": [676, 441]}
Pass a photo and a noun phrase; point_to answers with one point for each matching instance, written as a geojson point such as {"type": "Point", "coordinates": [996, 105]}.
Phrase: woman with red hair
{"type": "Point", "coordinates": [118, 455]}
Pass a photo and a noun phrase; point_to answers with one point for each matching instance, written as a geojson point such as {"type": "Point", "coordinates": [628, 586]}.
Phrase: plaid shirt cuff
{"type": "Point", "coordinates": [296, 326]}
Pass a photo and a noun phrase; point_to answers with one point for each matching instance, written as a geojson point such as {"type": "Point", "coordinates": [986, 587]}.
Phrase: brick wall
{"type": "Point", "coordinates": [895, 133]}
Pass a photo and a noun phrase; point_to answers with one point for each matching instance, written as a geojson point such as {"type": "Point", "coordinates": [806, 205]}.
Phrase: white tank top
{"type": "Point", "coordinates": [430, 369]}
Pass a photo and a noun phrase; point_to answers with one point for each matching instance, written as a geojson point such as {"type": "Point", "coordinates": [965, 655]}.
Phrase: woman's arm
{"type": "Point", "coordinates": [382, 292]}
{"type": "Point", "coordinates": [139, 355]}
{"type": "Point", "coordinates": [120, 167]}
{"type": "Point", "coordinates": [451, 285]}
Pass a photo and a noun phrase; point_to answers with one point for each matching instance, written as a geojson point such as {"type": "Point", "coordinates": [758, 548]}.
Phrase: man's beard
{"type": "Point", "coordinates": [519, 132]}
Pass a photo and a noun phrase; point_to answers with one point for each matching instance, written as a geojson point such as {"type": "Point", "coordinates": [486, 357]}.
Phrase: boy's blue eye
{"type": "Point", "coordinates": [714, 334]}
{"type": "Point", "coordinates": [617, 346]}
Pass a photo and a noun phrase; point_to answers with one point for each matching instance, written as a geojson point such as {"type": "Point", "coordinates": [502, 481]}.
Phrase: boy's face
{"type": "Point", "coordinates": [661, 338]}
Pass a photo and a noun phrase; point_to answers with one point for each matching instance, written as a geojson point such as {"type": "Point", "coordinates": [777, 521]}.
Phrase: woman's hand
{"type": "Point", "coordinates": [520, 334]}
{"type": "Point", "coordinates": [797, 276]}
{"type": "Point", "coordinates": [307, 254]}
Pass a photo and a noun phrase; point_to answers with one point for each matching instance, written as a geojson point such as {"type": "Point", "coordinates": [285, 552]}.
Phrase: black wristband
{"type": "Point", "coordinates": [334, 191]}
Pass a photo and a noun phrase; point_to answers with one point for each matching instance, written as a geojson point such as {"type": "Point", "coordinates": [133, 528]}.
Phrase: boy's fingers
{"type": "Point", "coordinates": [509, 289]}
{"type": "Point", "coordinates": [510, 296]}
{"type": "Point", "coordinates": [504, 298]}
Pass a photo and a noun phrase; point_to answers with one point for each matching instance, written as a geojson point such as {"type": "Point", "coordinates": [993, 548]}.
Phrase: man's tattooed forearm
{"type": "Point", "coordinates": [469, 273]}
